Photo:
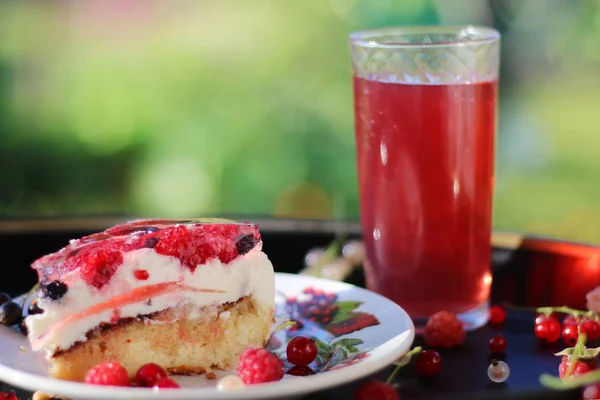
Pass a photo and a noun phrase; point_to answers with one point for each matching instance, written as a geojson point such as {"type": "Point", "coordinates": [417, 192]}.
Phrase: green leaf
{"type": "Point", "coordinates": [324, 350]}
{"type": "Point", "coordinates": [345, 310]}
{"type": "Point", "coordinates": [349, 342]}
{"type": "Point", "coordinates": [341, 316]}
{"type": "Point", "coordinates": [348, 345]}
{"type": "Point", "coordinates": [348, 306]}
{"type": "Point", "coordinates": [554, 382]}
{"type": "Point", "coordinates": [591, 353]}
{"type": "Point", "coordinates": [337, 356]}
{"type": "Point", "coordinates": [352, 349]}
{"type": "Point", "coordinates": [322, 347]}
{"type": "Point", "coordinates": [566, 352]}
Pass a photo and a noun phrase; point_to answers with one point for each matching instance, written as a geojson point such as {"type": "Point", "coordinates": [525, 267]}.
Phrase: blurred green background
{"type": "Point", "coordinates": [179, 108]}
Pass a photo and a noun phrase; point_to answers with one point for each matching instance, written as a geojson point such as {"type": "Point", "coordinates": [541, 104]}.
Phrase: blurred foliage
{"type": "Point", "coordinates": [178, 108]}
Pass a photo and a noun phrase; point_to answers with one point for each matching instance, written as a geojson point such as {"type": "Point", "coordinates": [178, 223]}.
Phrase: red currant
{"type": "Point", "coordinates": [542, 317]}
{"type": "Point", "coordinates": [547, 329]}
{"type": "Point", "coordinates": [571, 320]}
{"type": "Point", "coordinates": [591, 328]}
{"type": "Point", "coordinates": [497, 315]}
{"type": "Point", "coordinates": [591, 392]}
{"type": "Point", "coordinates": [497, 344]}
{"type": "Point", "coordinates": [569, 334]}
{"type": "Point", "coordinates": [149, 374]}
{"type": "Point", "coordinates": [376, 390]}
{"type": "Point", "coordinates": [301, 351]}
{"type": "Point", "coordinates": [166, 383]}
{"type": "Point", "coordinates": [300, 371]}
{"type": "Point", "coordinates": [428, 363]}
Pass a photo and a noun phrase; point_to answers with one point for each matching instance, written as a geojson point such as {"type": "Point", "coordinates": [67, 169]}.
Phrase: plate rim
{"type": "Point", "coordinates": [288, 387]}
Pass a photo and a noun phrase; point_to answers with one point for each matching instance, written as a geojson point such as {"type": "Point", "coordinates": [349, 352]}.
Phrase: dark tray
{"type": "Point", "coordinates": [528, 272]}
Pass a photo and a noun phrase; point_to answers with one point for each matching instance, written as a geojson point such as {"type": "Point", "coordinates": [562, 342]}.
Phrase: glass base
{"type": "Point", "coordinates": [472, 319]}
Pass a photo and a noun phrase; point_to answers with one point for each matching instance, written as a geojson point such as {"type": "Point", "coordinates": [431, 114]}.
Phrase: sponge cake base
{"type": "Point", "coordinates": [186, 341]}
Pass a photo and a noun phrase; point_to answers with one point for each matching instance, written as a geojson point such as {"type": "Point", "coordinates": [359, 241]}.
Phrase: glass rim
{"type": "Point", "coordinates": [371, 38]}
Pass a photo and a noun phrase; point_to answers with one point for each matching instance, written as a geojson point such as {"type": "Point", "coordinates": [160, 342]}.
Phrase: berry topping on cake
{"type": "Point", "coordinates": [141, 274]}
{"type": "Point", "coordinates": [150, 242]}
{"type": "Point", "coordinates": [98, 267]}
{"type": "Point", "coordinates": [34, 308]}
{"type": "Point", "coordinates": [245, 244]}
{"type": "Point", "coordinates": [53, 290]}
{"type": "Point", "coordinates": [98, 256]}
{"type": "Point", "coordinates": [109, 373]}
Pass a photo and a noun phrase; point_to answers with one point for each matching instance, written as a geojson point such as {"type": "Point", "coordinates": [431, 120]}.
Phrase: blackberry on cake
{"type": "Point", "coordinates": [188, 296]}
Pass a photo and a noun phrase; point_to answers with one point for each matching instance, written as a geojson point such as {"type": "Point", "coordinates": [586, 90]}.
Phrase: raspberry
{"type": "Point", "coordinates": [376, 390]}
{"type": "Point", "coordinates": [108, 373]}
{"type": "Point", "coordinates": [166, 383]}
{"type": "Point", "coordinates": [257, 365]}
{"type": "Point", "coordinates": [149, 374]}
{"type": "Point", "coordinates": [98, 267]}
{"type": "Point", "coordinates": [581, 366]}
{"type": "Point", "coordinates": [444, 329]}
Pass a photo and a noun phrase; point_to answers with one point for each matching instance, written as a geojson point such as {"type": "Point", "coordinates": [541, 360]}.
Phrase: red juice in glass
{"type": "Point", "coordinates": [425, 157]}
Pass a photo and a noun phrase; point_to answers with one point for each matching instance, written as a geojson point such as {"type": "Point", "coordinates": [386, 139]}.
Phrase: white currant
{"type": "Point", "coordinates": [498, 371]}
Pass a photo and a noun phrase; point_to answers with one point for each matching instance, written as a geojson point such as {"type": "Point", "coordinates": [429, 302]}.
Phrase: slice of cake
{"type": "Point", "coordinates": [187, 295]}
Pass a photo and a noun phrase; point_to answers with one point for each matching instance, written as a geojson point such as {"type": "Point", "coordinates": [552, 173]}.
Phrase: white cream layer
{"type": "Point", "coordinates": [250, 274]}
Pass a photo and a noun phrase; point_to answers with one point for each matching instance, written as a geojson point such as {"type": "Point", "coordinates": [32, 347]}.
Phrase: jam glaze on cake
{"type": "Point", "coordinates": [179, 287]}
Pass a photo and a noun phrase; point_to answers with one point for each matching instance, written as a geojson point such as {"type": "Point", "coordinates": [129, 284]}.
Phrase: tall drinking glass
{"type": "Point", "coordinates": [425, 117]}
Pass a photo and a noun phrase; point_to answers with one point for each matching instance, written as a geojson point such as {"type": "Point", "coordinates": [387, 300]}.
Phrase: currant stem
{"type": "Point", "coordinates": [333, 248]}
{"type": "Point", "coordinates": [402, 362]}
{"type": "Point", "coordinates": [578, 351]}
{"type": "Point", "coordinates": [565, 310]}
{"type": "Point", "coordinates": [282, 326]}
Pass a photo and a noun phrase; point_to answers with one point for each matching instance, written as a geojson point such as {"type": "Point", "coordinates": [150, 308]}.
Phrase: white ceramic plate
{"type": "Point", "coordinates": [374, 332]}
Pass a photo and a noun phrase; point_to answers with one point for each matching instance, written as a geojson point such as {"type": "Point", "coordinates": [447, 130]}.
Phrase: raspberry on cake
{"type": "Point", "coordinates": [186, 295]}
